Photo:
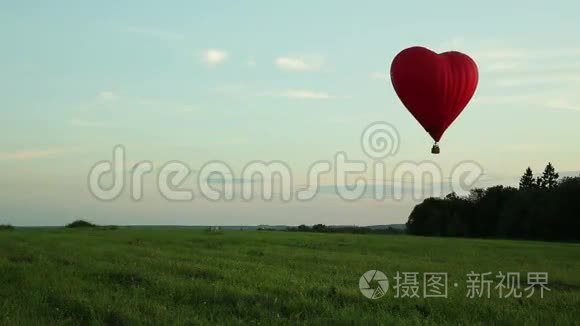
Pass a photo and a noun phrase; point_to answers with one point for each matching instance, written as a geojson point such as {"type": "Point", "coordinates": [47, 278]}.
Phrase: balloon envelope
{"type": "Point", "coordinates": [435, 88]}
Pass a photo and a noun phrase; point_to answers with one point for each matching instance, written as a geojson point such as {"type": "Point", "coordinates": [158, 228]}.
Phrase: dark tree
{"type": "Point", "coordinates": [527, 180]}
{"type": "Point", "coordinates": [319, 228]}
{"type": "Point", "coordinates": [546, 210]}
{"type": "Point", "coordinates": [489, 207]}
{"type": "Point", "coordinates": [549, 178]}
{"type": "Point", "coordinates": [6, 227]}
{"type": "Point", "coordinates": [80, 224]}
{"type": "Point", "coordinates": [303, 228]}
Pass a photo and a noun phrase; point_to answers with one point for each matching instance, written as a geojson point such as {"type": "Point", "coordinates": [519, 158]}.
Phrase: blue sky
{"type": "Point", "coordinates": [294, 81]}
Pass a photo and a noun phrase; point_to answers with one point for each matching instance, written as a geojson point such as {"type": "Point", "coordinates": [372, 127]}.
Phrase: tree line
{"type": "Point", "coordinates": [541, 208]}
{"type": "Point", "coordinates": [322, 228]}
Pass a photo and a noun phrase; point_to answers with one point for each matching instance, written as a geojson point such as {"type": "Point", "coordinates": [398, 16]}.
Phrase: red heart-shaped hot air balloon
{"type": "Point", "coordinates": [435, 88]}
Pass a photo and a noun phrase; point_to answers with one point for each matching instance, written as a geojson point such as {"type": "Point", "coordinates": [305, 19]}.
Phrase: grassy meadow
{"type": "Point", "coordinates": [161, 276]}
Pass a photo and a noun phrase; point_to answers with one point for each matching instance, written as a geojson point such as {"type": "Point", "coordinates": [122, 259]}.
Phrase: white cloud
{"type": "Point", "coordinates": [495, 56]}
{"type": "Point", "coordinates": [154, 32]}
{"type": "Point", "coordinates": [108, 96]}
{"type": "Point", "coordinates": [501, 66]}
{"type": "Point", "coordinates": [526, 60]}
{"type": "Point", "coordinates": [300, 63]}
{"type": "Point", "coordinates": [237, 90]}
{"type": "Point", "coordinates": [292, 64]}
{"type": "Point", "coordinates": [28, 155]}
{"type": "Point", "coordinates": [500, 54]}
{"type": "Point", "coordinates": [160, 106]}
{"type": "Point", "coordinates": [507, 99]}
{"type": "Point", "coordinates": [185, 109]}
{"type": "Point", "coordinates": [230, 141]}
{"type": "Point", "coordinates": [450, 45]}
{"type": "Point", "coordinates": [304, 94]}
{"type": "Point", "coordinates": [85, 123]}
{"type": "Point", "coordinates": [558, 79]}
{"type": "Point", "coordinates": [564, 105]}
{"type": "Point", "coordinates": [214, 57]}
{"type": "Point", "coordinates": [378, 75]}
{"type": "Point", "coordinates": [549, 100]}
{"type": "Point", "coordinates": [543, 77]}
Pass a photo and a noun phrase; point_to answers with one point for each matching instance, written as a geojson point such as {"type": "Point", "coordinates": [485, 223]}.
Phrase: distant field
{"type": "Point", "coordinates": [181, 276]}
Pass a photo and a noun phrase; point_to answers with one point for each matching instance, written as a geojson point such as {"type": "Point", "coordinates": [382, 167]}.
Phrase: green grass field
{"type": "Point", "coordinates": [159, 276]}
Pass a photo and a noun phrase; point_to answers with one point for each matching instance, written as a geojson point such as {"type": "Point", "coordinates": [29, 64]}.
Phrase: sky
{"type": "Point", "coordinates": [294, 81]}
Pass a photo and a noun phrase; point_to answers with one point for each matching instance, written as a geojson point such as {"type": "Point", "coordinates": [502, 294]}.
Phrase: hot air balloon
{"type": "Point", "coordinates": [434, 87]}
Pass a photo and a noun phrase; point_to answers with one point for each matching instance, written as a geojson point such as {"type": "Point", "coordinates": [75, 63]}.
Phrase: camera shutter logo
{"type": "Point", "coordinates": [373, 284]}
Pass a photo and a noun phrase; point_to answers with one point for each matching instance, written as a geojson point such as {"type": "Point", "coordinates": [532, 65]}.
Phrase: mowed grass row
{"type": "Point", "coordinates": [157, 276]}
